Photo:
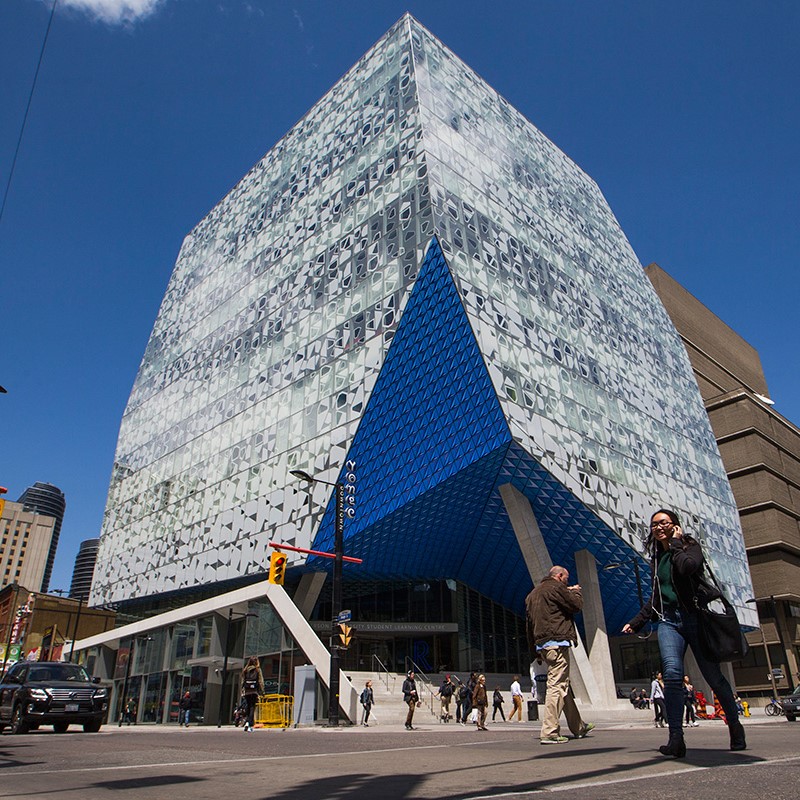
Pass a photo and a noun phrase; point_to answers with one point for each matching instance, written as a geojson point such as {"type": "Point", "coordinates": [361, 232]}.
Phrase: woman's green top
{"type": "Point", "coordinates": [669, 597]}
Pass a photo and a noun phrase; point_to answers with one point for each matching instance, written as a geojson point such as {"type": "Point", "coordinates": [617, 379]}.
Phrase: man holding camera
{"type": "Point", "coordinates": [550, 610]}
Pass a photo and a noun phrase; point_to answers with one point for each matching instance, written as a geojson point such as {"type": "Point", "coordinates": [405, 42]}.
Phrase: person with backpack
{"type": "Point", "coordinates": [467, 714]}
{"type": "Point", "coordinates": [367, 699]}
{"type": "Point", "coordinates": [497, 704]}
{"type": "Point", "coordinates": [445, 694]}
{"type": "Point", "coordinates": [462, 702]}
{"type": "Point", "coordinates": [252, 687]}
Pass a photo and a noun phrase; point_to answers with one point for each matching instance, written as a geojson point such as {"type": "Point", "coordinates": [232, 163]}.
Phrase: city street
{"type": "Point", "coordinates": [387, 762]}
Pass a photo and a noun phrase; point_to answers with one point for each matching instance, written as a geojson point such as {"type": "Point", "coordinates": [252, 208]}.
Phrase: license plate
{"type": "Point", "coordinates": [72, 707]}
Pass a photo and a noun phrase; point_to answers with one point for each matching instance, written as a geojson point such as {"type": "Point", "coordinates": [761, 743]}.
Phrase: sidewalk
{"type": "Point", "coordinates": [425, 723]}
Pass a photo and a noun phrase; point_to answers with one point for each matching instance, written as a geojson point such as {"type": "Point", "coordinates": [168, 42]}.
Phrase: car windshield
{"type": "Point", "coordinates": [59, 672]}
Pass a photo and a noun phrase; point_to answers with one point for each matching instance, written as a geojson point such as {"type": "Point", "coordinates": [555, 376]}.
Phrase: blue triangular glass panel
{"type": "Point", "coordinates": [432, 414]}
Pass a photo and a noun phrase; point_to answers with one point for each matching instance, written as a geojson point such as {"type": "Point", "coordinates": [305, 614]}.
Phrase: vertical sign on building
{"type": "Point", "coordinates": [350, 489]}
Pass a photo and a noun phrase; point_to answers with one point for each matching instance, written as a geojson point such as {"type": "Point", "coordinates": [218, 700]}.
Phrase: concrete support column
{"type": "Point", "coordinates": [594, 623]}
{"type": "Point", "coordinates": [308, 591]}
{"type": "Point", "coordinates": [537, 559]}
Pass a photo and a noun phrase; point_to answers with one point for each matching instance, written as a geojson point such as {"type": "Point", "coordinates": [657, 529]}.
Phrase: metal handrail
{"type": "Point", "coordinates": [382, 668]}
{"type": "Point", "coordinates": [427, 684]}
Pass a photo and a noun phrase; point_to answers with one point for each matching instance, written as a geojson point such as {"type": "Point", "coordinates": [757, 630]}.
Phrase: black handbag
{"type": "Point", "coordinates": [719, 632]}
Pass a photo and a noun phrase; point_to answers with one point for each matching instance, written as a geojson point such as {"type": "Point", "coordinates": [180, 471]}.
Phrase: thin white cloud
{"type": "Point", "coordinates": [114, 12]}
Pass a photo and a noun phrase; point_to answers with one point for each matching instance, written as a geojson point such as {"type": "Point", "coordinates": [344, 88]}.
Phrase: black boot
{"type": "Point", "coordinates": [675, 747]}
{"type": "Point", "coordinates": [736, 731]}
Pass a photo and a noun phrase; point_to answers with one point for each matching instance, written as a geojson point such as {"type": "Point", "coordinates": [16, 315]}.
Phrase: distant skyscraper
{"type": "Point", "coordinates": [25, 543]}
{"type": "Point", "coordinates": [416, 280]}
{"type": "Point", "coordinates": [84, 569]}
{"type": "Point", "coordinates": [44, 498]}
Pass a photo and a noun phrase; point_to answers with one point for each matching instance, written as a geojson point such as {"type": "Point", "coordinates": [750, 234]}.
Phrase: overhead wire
{"type": "Point", "coordinates": [27, 110]}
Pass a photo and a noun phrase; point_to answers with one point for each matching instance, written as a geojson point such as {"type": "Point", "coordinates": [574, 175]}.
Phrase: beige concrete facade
{"type": "Point", "coordinates": [761, 453]}
{"type": "Point", "coordinates": [25, 539]}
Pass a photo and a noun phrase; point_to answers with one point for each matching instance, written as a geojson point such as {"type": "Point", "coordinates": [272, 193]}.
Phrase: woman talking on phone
{"type": "Point", "coordinates": [677, 565]}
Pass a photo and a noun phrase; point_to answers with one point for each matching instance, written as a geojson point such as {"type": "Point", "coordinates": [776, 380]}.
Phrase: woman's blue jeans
{"type": "Point", "coordinates": [677, 630]}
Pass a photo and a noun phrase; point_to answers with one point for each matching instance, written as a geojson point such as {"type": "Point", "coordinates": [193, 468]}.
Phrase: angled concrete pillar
{"type": "Point", "coordinates": [537, 559]}
{"type": "Point", "coordinates": [594, 623]}
{"type": "Point", "coordinates": [307, 592]}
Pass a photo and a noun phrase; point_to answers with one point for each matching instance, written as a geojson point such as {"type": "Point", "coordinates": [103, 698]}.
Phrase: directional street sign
{"type": "Point", "coordinates": [344, 616]}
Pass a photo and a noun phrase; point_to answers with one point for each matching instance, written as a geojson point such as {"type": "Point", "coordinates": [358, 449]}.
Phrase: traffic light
{"type": "Point", "coordinates": [277, 568]}
{"type": "Point", "coordinates": [345, 633]}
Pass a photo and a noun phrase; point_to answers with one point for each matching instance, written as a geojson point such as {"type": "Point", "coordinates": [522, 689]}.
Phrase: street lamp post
{"type": "Point", "coordinates": [755, 601]}
{"type": "Point", "coordinates": [75, 629]}
{"type": "Point", "coordinates": [782, 642]}
{"type": "Point", "coordinates": [635, 561]}
{"type": "Point", "coordinates": [63, 592]}
{"type": "Point", "coordinates": [336, 592]}
{"type": "Point", "coordinates": [231, 613]}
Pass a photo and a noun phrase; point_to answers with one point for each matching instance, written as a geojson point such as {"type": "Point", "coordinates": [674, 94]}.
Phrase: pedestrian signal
{"type": "Point", "coordinates": [277, 568]}
{"type": "Point", "coordinates": [345, 633]}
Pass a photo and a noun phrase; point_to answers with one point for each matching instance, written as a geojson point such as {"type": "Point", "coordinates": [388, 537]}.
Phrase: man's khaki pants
{"type": "Point", "coordinates": [559, 697]}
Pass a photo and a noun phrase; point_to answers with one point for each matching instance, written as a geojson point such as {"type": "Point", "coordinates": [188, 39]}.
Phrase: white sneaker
{"type": "Point", "coordinates": [695, 724]}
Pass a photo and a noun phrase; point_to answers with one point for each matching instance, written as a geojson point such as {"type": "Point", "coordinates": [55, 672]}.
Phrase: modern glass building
{"type": "Point", "coordinates": [416, 280]}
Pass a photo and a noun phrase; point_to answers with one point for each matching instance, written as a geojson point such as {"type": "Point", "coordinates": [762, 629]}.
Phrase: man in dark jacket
{"type": "Point", "coordinates": [410, 698]}
{"type": "Point", "coordinates": [550, 610]}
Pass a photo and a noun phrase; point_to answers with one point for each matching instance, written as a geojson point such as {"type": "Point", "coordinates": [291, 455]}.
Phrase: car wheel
{"type": "Point", "coordinates": [60, 727]}
{"type": "Point", "coordinates": [18, 724]}
{"type": "Point", "coordinates": [91, 727]}
{"type": "Point", "coordinates": [791, 717]}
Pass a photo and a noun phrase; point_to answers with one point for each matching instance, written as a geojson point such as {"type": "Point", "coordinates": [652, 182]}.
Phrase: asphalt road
{"type": "Point", "coordinates": [617, 761]}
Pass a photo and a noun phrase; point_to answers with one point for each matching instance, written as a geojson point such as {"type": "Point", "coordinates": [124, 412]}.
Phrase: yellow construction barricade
{"type": "Point", "coordinates": [274, 711]}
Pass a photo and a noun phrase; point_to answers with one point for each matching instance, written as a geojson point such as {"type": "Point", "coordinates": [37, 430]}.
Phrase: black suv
{"type": "Point", "coordinates": [50, 693]}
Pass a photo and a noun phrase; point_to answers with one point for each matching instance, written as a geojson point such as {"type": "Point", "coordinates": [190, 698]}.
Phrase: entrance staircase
{"type": "Point", "coordinates": [387, 689]}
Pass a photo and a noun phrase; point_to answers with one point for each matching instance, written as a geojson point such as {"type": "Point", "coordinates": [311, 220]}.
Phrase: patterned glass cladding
{"type": "Point", "coordinates": [590, 372]}
{"type": "Point", "coordinates": [435, 448]}
{"type": "Point", "coordinates": [284, 302]}
{"type": "Point", "coordinates": [425, 450]}
{"type": "Point", "coordinates": [271, 335]}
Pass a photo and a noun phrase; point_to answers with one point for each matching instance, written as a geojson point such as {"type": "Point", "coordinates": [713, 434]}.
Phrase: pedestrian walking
{"type": "Point", "coordinates": [470, 711]}
{"type": "Point", "coordinates": [480, 701]}
{"type": "Point", "coordinates": [462, 703]}
{"type": "Point", "coordinates": [539, 679]}
{"type": "Point", "coordinates": [367, 700]}
{"type": "Point", "coordinates": [497, 704]}
{"type": "Point", "coordinates": [550, 611]}
{"type": "Point", "coordinates": [445, 695]}
{"type": "Point", "coordinates": [185, 709]}
{"type": "Point", "coordinates": [252, 687]}
{"type": "Point", "coordinates": [689, 702]}
{"type": "Point", "coordinates": [410, 698]}
{"type": "Point", "coordinates": [131, 711]}
{"type": "Point", "coordinates": [657, 699]}
{"type": "Point", "coordinates": [516, 700]}
{"type": "Point", "coordinates": [677, 566]}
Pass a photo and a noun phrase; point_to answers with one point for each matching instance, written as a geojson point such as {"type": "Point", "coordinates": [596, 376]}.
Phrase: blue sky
{"type": "Point", "coordinates": [685, 113]}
